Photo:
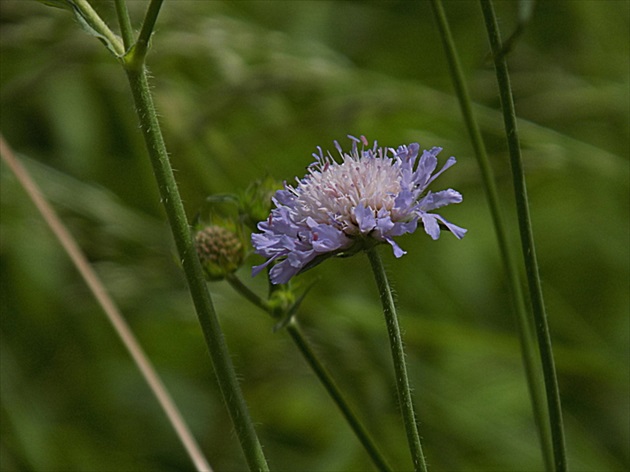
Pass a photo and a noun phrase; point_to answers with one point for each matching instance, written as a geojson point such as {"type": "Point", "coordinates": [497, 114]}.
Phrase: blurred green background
{"type": "Point", "coordinates": [248, 89]}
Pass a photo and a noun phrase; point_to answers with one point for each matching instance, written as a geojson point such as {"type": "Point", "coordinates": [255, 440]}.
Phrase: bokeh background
{"type": "Point", "coordinates": [248, 89]}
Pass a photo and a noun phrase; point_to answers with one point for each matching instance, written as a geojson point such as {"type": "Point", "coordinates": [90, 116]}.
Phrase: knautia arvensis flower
{"type": "Point", "coordinates": [371, 196]}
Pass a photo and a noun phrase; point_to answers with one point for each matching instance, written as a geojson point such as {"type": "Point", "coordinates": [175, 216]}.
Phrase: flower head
{"type": "Point", "coordinates": [220, 251]}
{"type": "Point", "coordinates": [369, 197]}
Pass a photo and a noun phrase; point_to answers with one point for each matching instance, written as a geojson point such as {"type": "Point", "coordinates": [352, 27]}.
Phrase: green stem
{"type": "Point", "coordinates": [133, 63]}
{"type": "Point", "coordinates": [224, 369]}
{"type": "Point", "coordinates": [244, 290]}
{"type": "Point", "coordinates": [524, 324]}
{"type": "Point", "coordinates": [321, 372]}
{"type": "Point", "coordinates": [172, 202]}
{"type": "Point", "coordinates": [333, 390]}
{"type": "Point", "coordinates": [527, 239]}
{"type": "Point", "coordinates": [125, 23]}
{"type": "Point", "coordinates": [142, 44]}
{"type": "Point", "coordinates": [398, 356]}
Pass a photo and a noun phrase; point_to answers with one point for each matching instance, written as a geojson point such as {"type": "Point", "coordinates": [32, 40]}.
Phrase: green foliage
{"type": "Point", "coordinates": [247, 90]}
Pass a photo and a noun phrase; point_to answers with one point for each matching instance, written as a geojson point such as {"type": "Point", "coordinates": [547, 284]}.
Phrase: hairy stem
{"type": "Point", "coordinates": [141, 47]}
{"type": "Point", "coordinates": [215, 340]}
{"type": "Point", "coordinates": [133, 62]}
{"type": "Point", "coordinates": [398, 357]}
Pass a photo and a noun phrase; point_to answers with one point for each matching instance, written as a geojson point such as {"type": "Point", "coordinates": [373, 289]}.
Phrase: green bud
{"type": "Point", "coordinates": [281, 300]}
{"type": "Point", "coordinates": [255, 202]}
{"type": "Point", "coordinates": [220, 251]}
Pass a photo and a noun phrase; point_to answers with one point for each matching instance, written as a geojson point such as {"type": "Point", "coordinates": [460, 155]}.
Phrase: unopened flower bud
{"type": "Point", "coordinates": [220, 251]}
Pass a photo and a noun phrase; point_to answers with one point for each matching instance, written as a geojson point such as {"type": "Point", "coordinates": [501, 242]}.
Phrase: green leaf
{"type": "Point", "coordinates": [92, 25]}
{"type": "Point", "coordinates": [90, 22]}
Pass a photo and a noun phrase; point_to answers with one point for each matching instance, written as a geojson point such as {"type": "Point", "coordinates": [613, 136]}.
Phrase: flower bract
{"type": "Point", "coordinates": [366, 197]}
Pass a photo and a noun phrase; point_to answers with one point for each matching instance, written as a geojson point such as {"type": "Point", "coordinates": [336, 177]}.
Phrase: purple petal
{"type": "Point", "coordinates": [458, 231]}
{"type": "Point", "coordinates": [327, 238]}
{"type": "Point", "coordinates": [439, 199]}
{"type": "Point", "coordinates": [398, 252]}
{"type": "Point", "coordinates": [431, 225]}
{"type": "Point", "coordinates": [450, 162]}
{"type": "Point", "coordinates": [365, 218]}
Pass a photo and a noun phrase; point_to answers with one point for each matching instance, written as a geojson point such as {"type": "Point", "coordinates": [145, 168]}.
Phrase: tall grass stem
{"type": "Point", "coordinates": [108, 305]}
{"type": "Point", "coordinates": [527, 238]}
{"type": "Point", "coordinates": [524, 322]}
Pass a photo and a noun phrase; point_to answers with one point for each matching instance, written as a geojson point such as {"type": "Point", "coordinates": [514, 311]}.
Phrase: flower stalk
{"type": "Point", "coordinates": [527, 238]}
{"type": "Point", "coordinates": [398, 357]}
{"type": "Point", "coordinates": [324, 376]}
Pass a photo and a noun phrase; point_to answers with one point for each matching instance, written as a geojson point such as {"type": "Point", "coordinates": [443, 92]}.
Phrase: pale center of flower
{"type": "Point", "coordinates": [338, 189]}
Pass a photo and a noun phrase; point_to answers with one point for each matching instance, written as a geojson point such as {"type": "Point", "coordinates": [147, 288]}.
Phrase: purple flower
{"type": "Point", "coordinates": [370, 197]}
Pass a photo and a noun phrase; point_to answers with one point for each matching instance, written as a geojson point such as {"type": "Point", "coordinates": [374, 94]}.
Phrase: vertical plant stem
{"type": "Point", "coordinates": [142, 44]}
{"type": "Point", "coordinates": [171, 200]}
{"type": "Point", "coordinates": [293, 328]}
{"type": "Point", "coordinates": [527, 239]}
{"type": "Point", "coordinates": [215, 340]}
{"type": "Point", "coordinates": [125, 23]}
{"type": "Point", "coordinates": [524, 323]}
{"type": "Point", "coordinates": [109, 307]}
{"type": "Point", "coordinates": [133, 62]}
{"type": "Point", "coordinates": [398, 357]}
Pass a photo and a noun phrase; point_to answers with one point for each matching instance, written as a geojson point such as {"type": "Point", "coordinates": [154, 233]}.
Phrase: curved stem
{"type": "Point", "coordinates": [244, 290]}
{"type": "Point", "coordinates": [320, 371]}
{"type": "Point", "coordinates": [524, 324]}
{"type": "Point", "coordinates": [398, 357]}
{"type": "Point", "coordinates": [527, 239]}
